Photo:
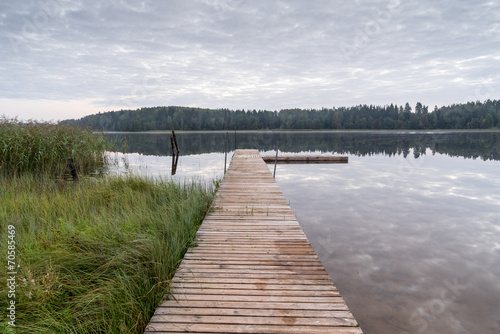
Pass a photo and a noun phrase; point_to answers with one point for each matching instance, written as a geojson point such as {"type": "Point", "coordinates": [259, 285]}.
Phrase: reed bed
{"type": "Point", "coordinates": [95, 256]}
{"type": "Point", "coordinates": [42, 148]}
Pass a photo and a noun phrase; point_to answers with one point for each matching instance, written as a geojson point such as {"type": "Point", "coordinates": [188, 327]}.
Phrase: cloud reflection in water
{"type": "Point", "coordinates": [394, 233]}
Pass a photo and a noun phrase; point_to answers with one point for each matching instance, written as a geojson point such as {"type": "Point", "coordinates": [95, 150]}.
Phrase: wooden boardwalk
{"type": "Point", "coordinates": [253, 270]}
{"type": "Point", "coordinates": [306, 159]}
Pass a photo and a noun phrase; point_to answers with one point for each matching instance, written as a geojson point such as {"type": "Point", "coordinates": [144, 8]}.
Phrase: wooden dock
{"type": "Point", "coordinates": [253, 269]}
{"type": "Point", "coordinates": [307, 159]}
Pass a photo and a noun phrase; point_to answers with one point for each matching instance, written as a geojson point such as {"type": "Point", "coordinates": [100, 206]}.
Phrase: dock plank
{"type": "Point", "coordinates": [252, 269]}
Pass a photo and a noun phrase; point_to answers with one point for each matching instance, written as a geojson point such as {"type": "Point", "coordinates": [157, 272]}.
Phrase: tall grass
{"type": "Point", "coordinates": [96, 256]}
{"type": "Point", "coordinates": [42, 148]}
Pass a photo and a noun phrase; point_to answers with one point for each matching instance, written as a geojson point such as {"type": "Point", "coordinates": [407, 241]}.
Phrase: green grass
{"type": "Point", "coordinates": [42, 148]}
{"type": "Point", "coordinates": [95, 256]}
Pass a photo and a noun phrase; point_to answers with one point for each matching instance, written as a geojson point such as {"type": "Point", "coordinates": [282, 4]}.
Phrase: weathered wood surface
{"type": "Point", "coordinates": [307, 159]}
{"type": "Point", "coordinates": [253, 269]}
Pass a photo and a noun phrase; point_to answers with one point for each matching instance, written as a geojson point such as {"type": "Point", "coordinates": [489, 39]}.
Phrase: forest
{"type": "Point", "coordinates": [471, 115]}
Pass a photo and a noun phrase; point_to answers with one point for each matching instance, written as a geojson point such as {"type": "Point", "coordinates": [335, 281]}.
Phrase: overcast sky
{"type": "Point", "coordinates": [66, 59]}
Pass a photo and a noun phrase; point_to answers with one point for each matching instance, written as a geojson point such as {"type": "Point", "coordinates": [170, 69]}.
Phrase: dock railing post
{"type": "Point", "coordinates": [275, 161]}
{"type": "Point", "coordinates": [225, 152]}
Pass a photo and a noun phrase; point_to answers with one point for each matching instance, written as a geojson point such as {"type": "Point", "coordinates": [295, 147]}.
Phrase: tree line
{"type": "Point", "coordinates": [471, 115]}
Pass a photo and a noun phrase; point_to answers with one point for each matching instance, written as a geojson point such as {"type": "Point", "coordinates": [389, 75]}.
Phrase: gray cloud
{"type": "Point", "coordinates": [248, 54]}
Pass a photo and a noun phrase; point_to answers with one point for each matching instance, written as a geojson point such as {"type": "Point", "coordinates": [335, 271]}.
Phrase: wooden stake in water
{"type": "Point", "coordinates": [172, 145]}
{"type": "Point", "coordinates": [175, 142]}
{"type": "Point", "coordinates": [175, 153]}
{"type": "Point", "coordinates": [175, 160]}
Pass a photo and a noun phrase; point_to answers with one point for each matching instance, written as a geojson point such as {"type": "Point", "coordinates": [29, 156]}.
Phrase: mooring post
{"type": "Point", "coordinates": [275, 161]}
{"type": "Point", "coordinates": [235, 139]}
{"type": "Point", "coordinates": [72, 169]}
{"type": "Point", "coordinates": [225, 152]}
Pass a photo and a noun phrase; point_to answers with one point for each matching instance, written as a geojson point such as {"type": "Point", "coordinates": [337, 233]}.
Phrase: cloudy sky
{"type": "Point", "coordinates": [65, 59]}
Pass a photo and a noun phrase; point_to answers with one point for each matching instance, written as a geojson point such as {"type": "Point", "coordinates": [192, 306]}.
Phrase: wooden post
{"type": "Point", "coordinates": [175, 160]}
{"type": "Point", "coordinates": [72, 169]}
{"type": "Point", "coordinates": [225, 152]}
{"type": "Point", "coordinates": [275, 161]}
{"type": "Point", "coordinates": [174, 155]}
{"type": "Point", "coordinates": [175, 164]}
{"type": "Point", "coordinates": [172, 144]}
{"type": "Point", "coordinates": [235, 140]}
{"type": "Point", "coordinates": [175, 142]}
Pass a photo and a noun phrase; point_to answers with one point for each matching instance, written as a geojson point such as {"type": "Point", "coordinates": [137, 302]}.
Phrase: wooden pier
{"type": "Point", "coordinates": [253, 269]}
{"type": "Point", "coordinates": [307, 159]}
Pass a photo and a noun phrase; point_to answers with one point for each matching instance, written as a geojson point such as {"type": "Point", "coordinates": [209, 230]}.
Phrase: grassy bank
{"type": "Point", "coordinates": [95, 257]}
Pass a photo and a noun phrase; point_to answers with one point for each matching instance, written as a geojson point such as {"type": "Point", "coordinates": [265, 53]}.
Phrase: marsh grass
{"type": "Point", "coordinates": [95, 256]}
{"type": "Point", "coordinates": [42, 148]}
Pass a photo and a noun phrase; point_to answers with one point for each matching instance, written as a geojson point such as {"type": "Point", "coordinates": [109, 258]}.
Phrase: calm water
{"type": "Point", "coordinates": [409, 230]}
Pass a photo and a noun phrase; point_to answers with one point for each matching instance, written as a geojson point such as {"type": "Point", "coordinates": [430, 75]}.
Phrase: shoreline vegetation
{"type": "Point", "coordinates": [466, 116]}
{"type": "Point", "coordinates": [42, 148]}
{"type": "Point", "coordinates": [93, 256]}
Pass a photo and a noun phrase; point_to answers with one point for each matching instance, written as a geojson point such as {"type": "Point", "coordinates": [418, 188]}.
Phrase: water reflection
{"type": "Point", "coordinates": [202, 167]}
{"type": "Point", "coordinates": [409, 230]}
{"type": "Point", "coordinates": [483, 145]}
{"type": "Point", "coordinates": [414, 251]}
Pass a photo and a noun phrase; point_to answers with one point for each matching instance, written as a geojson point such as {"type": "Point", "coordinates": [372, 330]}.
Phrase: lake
{"type": "Point", "coordinates": [409, 229]}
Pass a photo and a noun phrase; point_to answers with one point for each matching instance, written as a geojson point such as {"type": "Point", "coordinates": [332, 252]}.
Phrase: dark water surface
{"type": "Point", "coordinates": [409, 230]}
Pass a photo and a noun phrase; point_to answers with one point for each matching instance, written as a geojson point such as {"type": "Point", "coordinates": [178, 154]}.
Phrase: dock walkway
{"type": "Point", "coordinates": [306, 159]}
{"type": "Point", "coordinates": [253, 269]}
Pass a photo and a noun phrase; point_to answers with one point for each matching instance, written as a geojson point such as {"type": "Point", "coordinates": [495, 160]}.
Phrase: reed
{"type": "Point", "coordinates": [42, 148]}
{"type": "Point", "coordinates": [95, 256]}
